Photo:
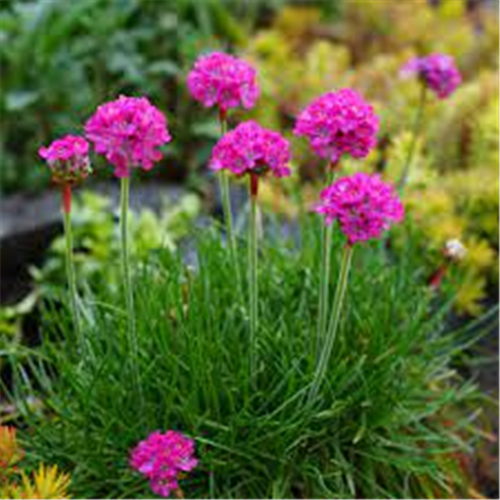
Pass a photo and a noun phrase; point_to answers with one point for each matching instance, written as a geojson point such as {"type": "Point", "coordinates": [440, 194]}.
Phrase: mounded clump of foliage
{"type": "Point", "coordinates": [391, 421]}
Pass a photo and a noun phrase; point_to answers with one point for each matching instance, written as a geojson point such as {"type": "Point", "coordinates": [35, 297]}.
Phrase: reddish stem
{"type": "Point", "coordinates": [437, 278]}
{"type": "Point", "coordinates": [222, 115]}
{"type": "Point", "coordinates": [66, 197]}
{"type": "Point", "coordinates": [254, 184]}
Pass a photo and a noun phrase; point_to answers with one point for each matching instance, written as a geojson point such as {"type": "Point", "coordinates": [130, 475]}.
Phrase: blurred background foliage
{"type": "Point", "coordinates": [453, 189]}
{"type": "Point", "coordinates": [61, 59]}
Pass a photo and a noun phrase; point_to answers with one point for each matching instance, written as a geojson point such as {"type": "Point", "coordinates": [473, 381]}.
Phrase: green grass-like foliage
{"type": "Point", "coordinates": [384, 425]}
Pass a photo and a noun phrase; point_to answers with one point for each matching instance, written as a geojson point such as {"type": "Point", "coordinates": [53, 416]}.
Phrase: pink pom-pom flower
{"type": "Point", "coordinates": [219, 79]}
{"type": "Point", "coordinates": [162, 458]}
{"type": "Point", "coordinates": [251, 148]}
{"type": "Point", "coordinates": [128, 131]}
{"type": "Point", "coordinates": [363, 205]}
{"type": "Point", "coordinates": [437, 71]}
{"type": "Point", "coordinates": [68, 159]}
{"type": "Point", "coordinates": [339, 123]}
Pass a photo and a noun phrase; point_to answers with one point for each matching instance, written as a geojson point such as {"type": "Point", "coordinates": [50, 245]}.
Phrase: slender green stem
{"type": "Point", "coordinates": [417, 126]}
{"type": "Point", "coordinates": [129, 297]}
{"type": "Point", "coordinates": [226, 206]}
{"type": "Point", "coordinates": [70, 271]}
{"type": "Point", "coordinates": [252, 270]}
{"type": "Point", "coordinates": [324, 281]}
{"type": "Point", "coordinates": [224, 189]}
{"type": "Point", "coordinates": [127, 284]}
{"type": "Point", "coordinates": [324, 278]}
{"type": "Point", "coordinates": [338, 300]}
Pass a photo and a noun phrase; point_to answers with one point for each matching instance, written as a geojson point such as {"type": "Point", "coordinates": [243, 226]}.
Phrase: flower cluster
{"type": "Point", "coordinates": [68, 159]}
{"type": "Point", "coordinates": [250, 148]}
{"type": "Point", "coordinates": [223, 80]}
{"type": "Point", "coordinates": [128, 132]}
{"type": "Point", "coordinates": [338, 123]}
{"type": "Point", "coordinates": [437, 71]}
{"type": "Point", "coordinates": [162, 458]}
{"type": "Point", "coordinates": [363, 204]}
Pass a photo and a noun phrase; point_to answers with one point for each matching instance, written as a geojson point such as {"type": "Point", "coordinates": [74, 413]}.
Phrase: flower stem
{"type": "Point", "coordinates": [437, 277]}
{"type": "Point", "coordinates": [417, 126]}
{"type": "Point", "coordinates": [224, 189]}
{"type": "Point", "coordinates": [324, 278]}
{"type": "Point", "coordinates": [127, 285]}
{"type": "Point", "coordinates": [226, 205]}
{"type": "Point", "coordinates": [252, 269]}
{"type": "Point", "coordinates": [70, 268]}
{"type": "Point", "coordinates": [338, 300]}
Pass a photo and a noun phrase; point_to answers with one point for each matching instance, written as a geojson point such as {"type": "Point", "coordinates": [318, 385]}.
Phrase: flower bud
{"type": "Point", "coordinates": [68, 159]}
{"type": "Point", "coordinates": [454, 250]}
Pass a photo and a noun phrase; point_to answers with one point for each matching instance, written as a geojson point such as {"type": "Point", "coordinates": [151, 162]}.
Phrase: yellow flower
{"type": "Point", "coordinates": [47, 482]}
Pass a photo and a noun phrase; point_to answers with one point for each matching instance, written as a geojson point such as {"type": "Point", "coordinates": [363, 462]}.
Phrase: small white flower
{"type": "Point", "coordinates": [455, 250]}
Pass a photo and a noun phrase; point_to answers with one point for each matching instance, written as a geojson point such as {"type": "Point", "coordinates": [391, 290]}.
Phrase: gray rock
{"type": "Point", "coordinates": [29, 223]}
{"type": "Point", "coordinates": [21, 213]}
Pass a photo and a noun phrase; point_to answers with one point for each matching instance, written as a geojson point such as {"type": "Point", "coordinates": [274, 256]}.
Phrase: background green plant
{"type": "Point", "coordinates": [62, 59]}
{"type": "Point", "coordinates": [301, 55]}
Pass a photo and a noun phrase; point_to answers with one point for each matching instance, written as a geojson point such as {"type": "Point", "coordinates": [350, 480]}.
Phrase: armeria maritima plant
{"type": "Point", "coordinates": [68, 160]}
{"type": "Point", "coordinates": [336, 124]}
{"type": "Point", "coordinates": [224, 81]}
{"type": "Point", "coordinates": [339, 123]}
{"type": "Point", "coordinates": [163, 459]}
{"type": "Point", "coordinates": [437, 73]}
{"type": "Point", "coordinates": [191, 363]}
{"type": "Point", "coordinates": [252, 150]}
{"type": "Point", "coordinates": [128, 132]}
{"type": "Point", "coordinates": [364, 207]}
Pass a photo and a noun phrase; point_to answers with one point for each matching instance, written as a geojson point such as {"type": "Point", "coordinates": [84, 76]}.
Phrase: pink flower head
{"type": "Point", "coordinates": [219, 79]}
{"type": "Point", "coordinates": [161, 458]}
{"type": "Point", "coordinates": [128, 132]}
{"type": "Point", "coordinates": [363, 204]}
{"type": "Point", "coordinates": [338, 123]}
{"type": "Point", "coordinates": [252, 148]}
{"type": "Point", "coordinates": [437, 71]}
{"type": "Point", "coordinates": [68, 159]}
